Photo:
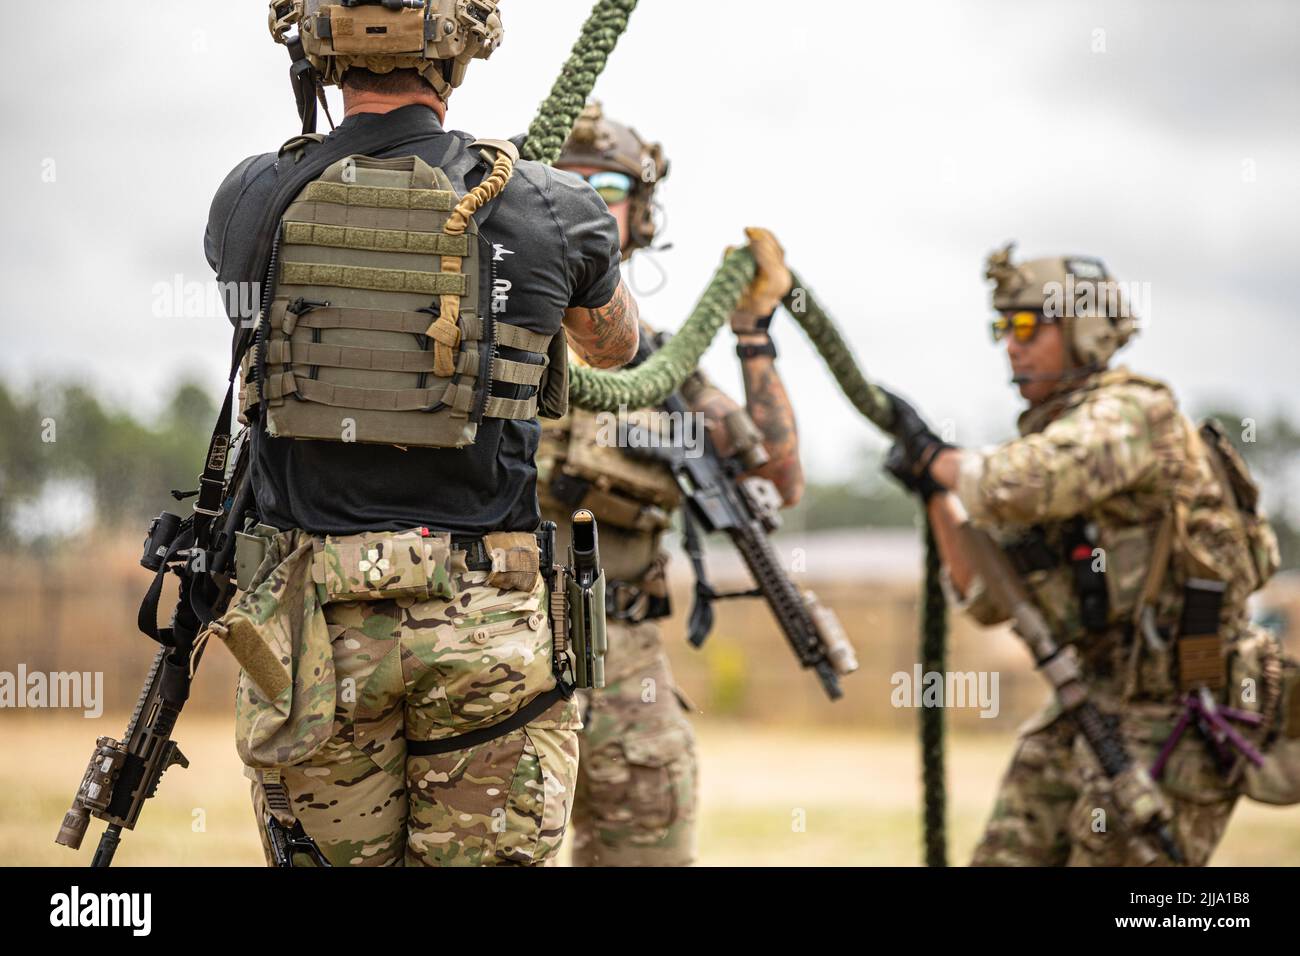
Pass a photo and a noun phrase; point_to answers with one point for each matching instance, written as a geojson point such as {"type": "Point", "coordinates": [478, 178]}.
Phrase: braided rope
{"type": "Point", "coordinates": [502, 169]}
{"type": "Point", "coordinates": [663, 373]}
{"type": "Point", "coordinates": [934, 633]}
{"type": "Point", "coordinates": [444, 330]}
{"type": "Point", "coordinates": [559, 111]}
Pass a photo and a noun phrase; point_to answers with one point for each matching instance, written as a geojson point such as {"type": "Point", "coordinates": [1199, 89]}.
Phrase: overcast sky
{"type": "Point", "coordinates": [889, 146]}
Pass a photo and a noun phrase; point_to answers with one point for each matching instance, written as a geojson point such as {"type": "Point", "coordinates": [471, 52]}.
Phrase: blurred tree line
{"type": "Point", "coordinates": [62, 448]}
{"type": "Point", "coordinates": [64, 438]}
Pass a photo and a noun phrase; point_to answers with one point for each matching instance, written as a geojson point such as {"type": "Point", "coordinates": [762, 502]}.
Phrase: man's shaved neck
{"type": "Point", "coordinates": [366, 101]}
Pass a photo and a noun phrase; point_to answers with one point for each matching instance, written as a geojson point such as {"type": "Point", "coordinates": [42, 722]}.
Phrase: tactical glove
{"type": "Point", "coordinates": [914, 449]}
{"type": "Point", "coordinates": [898, 463]}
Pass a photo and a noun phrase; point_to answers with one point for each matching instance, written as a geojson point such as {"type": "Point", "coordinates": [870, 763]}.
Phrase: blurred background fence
{"type": "Point", "coordinates": [78, 486]}
{"type": "Point", "coordinates": [79, 481]}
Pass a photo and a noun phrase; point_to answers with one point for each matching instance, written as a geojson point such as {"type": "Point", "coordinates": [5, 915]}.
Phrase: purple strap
{"type": "Point", "coordinates": [1216, 717]}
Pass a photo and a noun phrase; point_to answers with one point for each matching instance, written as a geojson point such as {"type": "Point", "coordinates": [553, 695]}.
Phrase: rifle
{"type": "Point", "coordinates": [720, 497]}
{"type": "Point", "coordinates": [1139, 801]}
{"type": "Point", "coordinates": [123, 774]}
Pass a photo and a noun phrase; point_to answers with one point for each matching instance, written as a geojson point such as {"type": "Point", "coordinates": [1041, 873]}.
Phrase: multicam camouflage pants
{"type": "Point", "coordinates": [1053, 806]}
{"type": "Point", "coordinates": [636, 795]}
{"type": "Point", "coordinates": [424, 670]}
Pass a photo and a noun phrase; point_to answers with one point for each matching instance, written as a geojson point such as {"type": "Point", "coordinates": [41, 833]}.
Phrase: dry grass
{"type": "Point", "coordinates": [857, 791]}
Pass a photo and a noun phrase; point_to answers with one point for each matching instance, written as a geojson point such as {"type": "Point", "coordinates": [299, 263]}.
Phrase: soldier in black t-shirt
{"type": "Point", "coordinates": [398, 582]}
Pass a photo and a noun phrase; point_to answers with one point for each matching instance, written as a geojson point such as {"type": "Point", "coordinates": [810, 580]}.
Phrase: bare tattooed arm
{"type": "Point", "coordinates": [605, 337]}
{"type": "Point", "coordinates": [769, 406]}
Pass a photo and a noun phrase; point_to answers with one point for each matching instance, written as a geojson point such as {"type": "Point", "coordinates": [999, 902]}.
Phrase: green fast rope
{"type": "Point", "coordinates": [875, 406]}
{"type": "Point", "coordinates": [663, 373]}
{"type": "Point", "coordinates": [559, 111]}
{"type": "Point", "coordinates": [934, 632]}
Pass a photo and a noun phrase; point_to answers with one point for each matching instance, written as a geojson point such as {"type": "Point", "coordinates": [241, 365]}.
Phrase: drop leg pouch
{"type": "Point", "coordinates": [284, 706]}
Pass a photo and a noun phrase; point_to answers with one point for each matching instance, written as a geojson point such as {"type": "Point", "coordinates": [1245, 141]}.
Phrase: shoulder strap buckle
{"type": "Point", "coordinates": [299, 144]}
{"type": "Point", "coordinates": [499, 145]}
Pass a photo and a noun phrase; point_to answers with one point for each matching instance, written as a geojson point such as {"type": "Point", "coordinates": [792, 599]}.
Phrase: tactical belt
{"type": "Point", "coordinates": [477, 557]}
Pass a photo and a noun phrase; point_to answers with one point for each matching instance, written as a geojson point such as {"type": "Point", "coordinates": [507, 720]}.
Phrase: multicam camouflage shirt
{"type": "Point", "coordinates": [1113, 455]}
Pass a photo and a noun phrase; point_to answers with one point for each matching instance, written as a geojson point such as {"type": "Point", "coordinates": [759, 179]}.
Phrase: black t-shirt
{"type": "Point", "coordinates": [555, 246]}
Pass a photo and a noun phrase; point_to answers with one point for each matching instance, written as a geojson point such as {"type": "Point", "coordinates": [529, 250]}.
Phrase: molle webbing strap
{"type": "Point", "coordinates": [380, 280]}
{"type": "Point", "coordinates": [284, 384]}
{"type": "Point", "coordinates": [379, 197]}
{"type": "Point", "coordinates": [518, 408]}
{"type": "Point", "coordinates": [459, 397]}
{"type": "Point", "coordinates": [285, 352]}
{"type": "Point", "coordinates": [373, 320]}
{"type": "Point", "coordinates": [379, 240]}
{"type": "Point", "coordinates": [515, 337]}
{"type": "Point", "coordinates": [1161, 551]}
{"type": "Point", "coordinates": [517, 373]}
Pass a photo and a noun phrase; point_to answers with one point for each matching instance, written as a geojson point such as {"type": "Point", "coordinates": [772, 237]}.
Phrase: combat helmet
{"type": "Point", "coordinates": [1076, 291]}
{"type": "Point", "coordinates": [436, 37]}
{"type": "Point", "coordinates": [605, 144]}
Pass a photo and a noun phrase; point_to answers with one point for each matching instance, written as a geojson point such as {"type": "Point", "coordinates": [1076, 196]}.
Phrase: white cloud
{"type": "Point", "coordinates": [890, 147]}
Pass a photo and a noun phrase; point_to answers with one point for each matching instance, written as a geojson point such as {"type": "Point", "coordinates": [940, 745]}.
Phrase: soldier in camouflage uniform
{"type": "Point", "coordinates": [398, 699]}
{"type": "Point", "coordinates": [1110, 504]}
{"type": "Point", "coordinates": [636, 798]}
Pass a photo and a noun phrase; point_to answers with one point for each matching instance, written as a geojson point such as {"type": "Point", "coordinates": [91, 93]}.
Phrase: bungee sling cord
{"type": "Point", "coordinates": [664, 372]}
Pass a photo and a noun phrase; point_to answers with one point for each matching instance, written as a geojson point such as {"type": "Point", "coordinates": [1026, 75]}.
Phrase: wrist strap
{"type": "Point", "coordinates": [747, 351]}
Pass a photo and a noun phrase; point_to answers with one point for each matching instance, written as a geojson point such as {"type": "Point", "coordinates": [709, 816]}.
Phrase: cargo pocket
{"type": "Point", "coordinates": [640, 785]}
{"type": "Point", "coordinates": [495, 657]}
{"type": "Point", "coordinates": [541, 798]}
{"type": "Point", "coordinates": [504, 802]}
{"type": "Point", "coordinates": [368, 671]}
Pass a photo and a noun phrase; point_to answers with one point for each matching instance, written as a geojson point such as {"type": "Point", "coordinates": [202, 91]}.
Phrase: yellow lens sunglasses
{"type": "Point", "coordinates": [1023, 325]}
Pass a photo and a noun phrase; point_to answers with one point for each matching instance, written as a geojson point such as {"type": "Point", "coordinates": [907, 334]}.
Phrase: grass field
{"type": "Point", "coordinates": [858, 794]}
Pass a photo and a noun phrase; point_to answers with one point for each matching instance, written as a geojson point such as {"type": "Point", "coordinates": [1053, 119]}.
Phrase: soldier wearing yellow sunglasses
{"type": "Point", "coordinates": [1109, 506]}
